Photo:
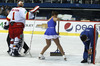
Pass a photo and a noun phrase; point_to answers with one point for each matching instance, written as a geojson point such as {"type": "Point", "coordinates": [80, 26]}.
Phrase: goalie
{"type": "Point", "coordinates": [87, 37]}
{"type": "Point", "coordinates": [16, 21]}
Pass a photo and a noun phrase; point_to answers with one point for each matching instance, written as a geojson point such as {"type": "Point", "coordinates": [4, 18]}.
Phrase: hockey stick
{"type": "Point", "coordinates": [32, 37]}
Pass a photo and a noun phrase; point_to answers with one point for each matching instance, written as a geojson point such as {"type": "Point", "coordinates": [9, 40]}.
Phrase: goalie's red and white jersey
{"type": "Point", "coordinates": [19, 14]}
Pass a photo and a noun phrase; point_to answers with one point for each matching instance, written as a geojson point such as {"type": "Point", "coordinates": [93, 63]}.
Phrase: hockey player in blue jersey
{"type": "Point", "coordinates": [87, 37]}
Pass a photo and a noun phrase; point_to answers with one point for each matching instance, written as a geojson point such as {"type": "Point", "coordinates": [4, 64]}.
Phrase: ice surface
{"type": "Point", "coordinates": [72, 46]}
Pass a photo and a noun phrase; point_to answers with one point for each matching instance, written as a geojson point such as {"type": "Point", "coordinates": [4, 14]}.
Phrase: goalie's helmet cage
{"type": "Point", "coordinates": [20, 4]}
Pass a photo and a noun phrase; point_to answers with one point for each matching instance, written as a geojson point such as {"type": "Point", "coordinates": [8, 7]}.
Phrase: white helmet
{"type": "Point", "coordinates": [20, 4]}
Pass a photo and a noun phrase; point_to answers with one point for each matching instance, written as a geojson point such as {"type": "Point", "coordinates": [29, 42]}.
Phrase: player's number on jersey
{"type": "Point", "coordinates": [13, 16]}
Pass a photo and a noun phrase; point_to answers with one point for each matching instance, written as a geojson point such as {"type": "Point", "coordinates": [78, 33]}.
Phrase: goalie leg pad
{"type": "Point", "coordinates": [14, 48]}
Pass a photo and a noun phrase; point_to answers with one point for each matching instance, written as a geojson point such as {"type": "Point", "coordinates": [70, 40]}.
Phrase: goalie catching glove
{"type": "Point", "coordinates": [35, 9]}
{"type": "Point", "coordinates": [6, 26]}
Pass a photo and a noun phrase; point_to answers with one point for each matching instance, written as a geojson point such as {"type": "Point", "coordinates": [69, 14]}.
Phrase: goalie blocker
{"type": "Point", "coordinates": [35, 9]}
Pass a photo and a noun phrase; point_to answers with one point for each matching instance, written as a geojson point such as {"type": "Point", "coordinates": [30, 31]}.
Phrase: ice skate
{"type": "Point", "coordinates": [41, 57]}
{"type": "Point", "coordinates": [84, 61]}
{"type": "Point", "coordinates": [64, 56]}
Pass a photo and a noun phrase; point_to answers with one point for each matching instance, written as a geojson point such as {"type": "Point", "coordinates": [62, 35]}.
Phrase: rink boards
{"type": "Point", "coordinates": [66, 28]}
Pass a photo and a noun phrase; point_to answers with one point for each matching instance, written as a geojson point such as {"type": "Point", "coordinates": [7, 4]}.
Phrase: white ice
{"type": "Point", "coordinates": [72, 46]}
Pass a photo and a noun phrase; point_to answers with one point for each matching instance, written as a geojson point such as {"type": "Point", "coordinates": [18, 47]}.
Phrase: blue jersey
{"type": "Point", "coordinates": [89, 32]}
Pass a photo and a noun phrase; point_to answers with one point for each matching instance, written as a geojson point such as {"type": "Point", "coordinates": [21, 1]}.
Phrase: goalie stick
{"type": "Point", "coordinates": [32, 36]}
{"type": "Point", "coordinates": [34, 10]}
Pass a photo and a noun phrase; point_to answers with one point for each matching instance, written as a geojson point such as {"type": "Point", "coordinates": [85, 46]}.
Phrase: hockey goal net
{"type": "Point", "coordinates": [96, 54]}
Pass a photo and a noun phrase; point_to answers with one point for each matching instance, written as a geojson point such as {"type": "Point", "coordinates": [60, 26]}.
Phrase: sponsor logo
{"type": "Point", "coordinates": [29, 25]}
{"type": "Point", "coordinates": [79, 27]}
{"type": "Point", "coordinates": [68, 27]}
{"type": "Point", "coordinates": [43, 25]}
{"type": "Point", "coordinates": [1, 24]}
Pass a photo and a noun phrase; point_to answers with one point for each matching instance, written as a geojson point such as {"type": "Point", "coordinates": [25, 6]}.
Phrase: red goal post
{"type": "Point", "coordinates": [96, 27]}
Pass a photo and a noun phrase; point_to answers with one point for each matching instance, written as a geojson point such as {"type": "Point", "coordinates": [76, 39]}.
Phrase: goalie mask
{"type": "Point", "coordinates": [20, 4]}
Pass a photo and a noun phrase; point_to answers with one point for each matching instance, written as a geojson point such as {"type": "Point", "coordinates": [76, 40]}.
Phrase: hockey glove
{"type": "Point", "coordinates": [35, 9]}
{"type": "Point", "coordinates": [6, 26]}
{"type": "Point", "coordinates": [90, 51]}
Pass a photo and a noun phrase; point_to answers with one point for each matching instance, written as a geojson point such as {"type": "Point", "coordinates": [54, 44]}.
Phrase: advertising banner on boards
{"type": "Point", "coordinates": [72, 28]}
